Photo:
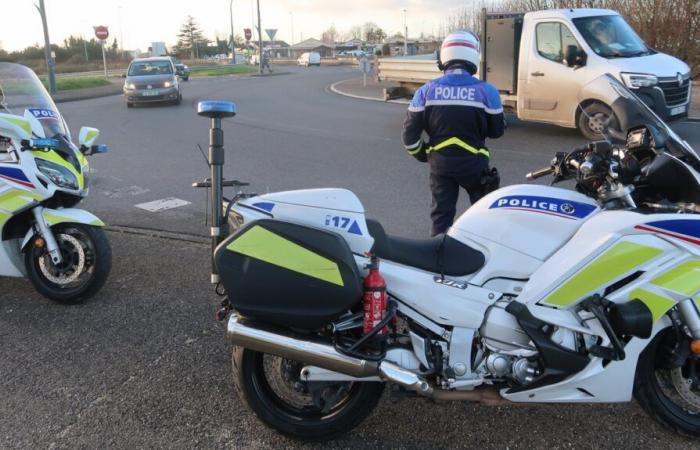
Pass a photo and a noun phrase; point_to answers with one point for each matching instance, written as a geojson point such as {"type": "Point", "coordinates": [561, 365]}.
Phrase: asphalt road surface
{"type": "Point", "coordinates": [144, 365]}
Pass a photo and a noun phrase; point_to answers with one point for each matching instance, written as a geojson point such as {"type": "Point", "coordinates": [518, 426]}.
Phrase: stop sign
{"type": "Point", "coordinates": [248, 33]}
{"type": "Point", "coordinates": [101, 32]}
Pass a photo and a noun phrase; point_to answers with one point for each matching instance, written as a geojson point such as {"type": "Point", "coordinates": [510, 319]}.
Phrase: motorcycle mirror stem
{"type": "Point", "coordinates": [216, 110]}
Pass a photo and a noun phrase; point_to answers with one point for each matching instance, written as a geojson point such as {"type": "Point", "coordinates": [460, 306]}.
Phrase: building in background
{"type": "Point", "coordinates": [312, 45]}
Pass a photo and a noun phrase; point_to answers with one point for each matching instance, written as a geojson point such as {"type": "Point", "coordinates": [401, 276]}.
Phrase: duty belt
{"type": "Point", "coordinates": [459, 143]}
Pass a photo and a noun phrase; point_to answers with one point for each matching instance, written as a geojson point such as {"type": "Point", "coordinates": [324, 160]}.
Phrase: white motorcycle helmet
{"type": "Point", "coordinates": [460, 46]}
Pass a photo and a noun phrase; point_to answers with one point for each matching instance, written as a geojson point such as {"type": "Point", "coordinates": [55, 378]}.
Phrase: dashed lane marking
{"type": "Point", "coordinates": [162, 204]}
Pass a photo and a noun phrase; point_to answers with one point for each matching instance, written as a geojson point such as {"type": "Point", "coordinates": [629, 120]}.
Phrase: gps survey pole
{"type": "Point", "coordinates": [215, 110]}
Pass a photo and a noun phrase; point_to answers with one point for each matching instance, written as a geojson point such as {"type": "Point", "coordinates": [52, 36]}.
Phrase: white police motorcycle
{"type": "Point", "coordinates": [62, 250]}
{"type": "Point", "coordinates": [535, 295]}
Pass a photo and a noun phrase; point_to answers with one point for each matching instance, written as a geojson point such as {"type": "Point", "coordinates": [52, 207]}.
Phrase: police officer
{"type": "Point", "coordinates": [457, 112]}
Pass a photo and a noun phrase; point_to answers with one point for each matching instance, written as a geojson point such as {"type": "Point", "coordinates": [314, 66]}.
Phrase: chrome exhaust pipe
{"type": "Point", "coordinates": [257, 337]}
{"type": "Point", "coordinates": [262, 339]}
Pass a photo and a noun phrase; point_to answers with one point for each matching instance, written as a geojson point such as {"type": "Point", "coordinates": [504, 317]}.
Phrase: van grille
{"type": "Point", "coordinates": [673, 93]}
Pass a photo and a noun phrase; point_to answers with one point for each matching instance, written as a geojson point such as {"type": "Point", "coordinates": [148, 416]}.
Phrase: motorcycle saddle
{"type": "Point", "coordinates": [441, 254]}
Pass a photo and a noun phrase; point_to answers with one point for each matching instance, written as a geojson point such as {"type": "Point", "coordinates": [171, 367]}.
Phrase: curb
{"type": "Point", "coordinates": [335, 90]}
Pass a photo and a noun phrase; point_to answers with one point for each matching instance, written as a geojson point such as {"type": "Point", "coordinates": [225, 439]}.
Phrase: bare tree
{"type": "Point", "coordinates": [330, 35]}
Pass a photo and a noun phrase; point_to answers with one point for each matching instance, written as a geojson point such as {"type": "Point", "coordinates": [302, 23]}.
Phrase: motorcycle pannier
{"type": "Point", "coordinates": [288, 274]}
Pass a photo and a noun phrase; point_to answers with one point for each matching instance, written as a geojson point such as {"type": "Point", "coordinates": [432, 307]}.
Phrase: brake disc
{"type": "Point", "coordinates": [67, 274]}
{"type": "Point", "coordinates": [684, 388]}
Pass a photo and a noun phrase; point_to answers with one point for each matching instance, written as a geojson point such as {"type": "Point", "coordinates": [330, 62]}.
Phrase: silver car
{"type": "Point", "coordinates": [150, 80]}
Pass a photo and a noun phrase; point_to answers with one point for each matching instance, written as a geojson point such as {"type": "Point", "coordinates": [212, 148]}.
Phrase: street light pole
{"type": "Point", "coordinates": [405, 34]}
{"type": "Point", "coordinates": [291, 18]}
{"type": "Point", "coordinates": [233, 44]}
{"type": "Point", "coordinates": [50, 65]}
{"type": "Point", "coordinates": [260, 43]}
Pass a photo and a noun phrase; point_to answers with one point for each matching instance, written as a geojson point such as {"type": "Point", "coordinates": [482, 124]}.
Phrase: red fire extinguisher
{"type": "Point", "coordinates": [374, 299]}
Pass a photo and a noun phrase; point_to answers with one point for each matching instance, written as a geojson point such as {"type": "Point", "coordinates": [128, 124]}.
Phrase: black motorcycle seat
{"type": "Point", "coordinates": [441, 254]}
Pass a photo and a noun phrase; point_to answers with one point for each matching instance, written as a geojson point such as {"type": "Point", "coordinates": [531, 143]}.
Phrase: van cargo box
{"type": "Point", "coordinates": [288, 274]}
{"type": "Point", "coordinates": [502, 50]}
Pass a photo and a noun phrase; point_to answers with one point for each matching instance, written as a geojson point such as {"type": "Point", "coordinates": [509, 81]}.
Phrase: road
{"type": "Point", "coordinates": [146, 366]}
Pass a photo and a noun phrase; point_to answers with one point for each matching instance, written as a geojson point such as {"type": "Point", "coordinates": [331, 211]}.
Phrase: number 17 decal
{"type": "Point", "coordinates": [344, 223]}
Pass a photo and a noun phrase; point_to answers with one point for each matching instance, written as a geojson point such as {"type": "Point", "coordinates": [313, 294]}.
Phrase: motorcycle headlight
{"type": "Point", "coordinates": [639, 80]}
{"type": "Point", "coordinates": [59, 175]}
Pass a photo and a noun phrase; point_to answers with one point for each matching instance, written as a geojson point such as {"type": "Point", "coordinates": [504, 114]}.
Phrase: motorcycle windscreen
{"type": "Point", "coordinates": [288, 274]}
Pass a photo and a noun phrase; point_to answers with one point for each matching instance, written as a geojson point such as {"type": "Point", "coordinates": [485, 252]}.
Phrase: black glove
{"type": "Point", "coordinates": [490, 180]}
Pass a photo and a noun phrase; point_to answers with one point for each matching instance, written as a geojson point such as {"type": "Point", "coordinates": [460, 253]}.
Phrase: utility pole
{"type": "Point", "coordinates": [291, 18]}
{"type": "Point", "coordinates": [50, 65]}
{"type": "Point", "coordinates": [233, 44]}
{"type": "Point", "coordinates": [405, 34]}
{"type": "Point", "coordinates": [260, 42]}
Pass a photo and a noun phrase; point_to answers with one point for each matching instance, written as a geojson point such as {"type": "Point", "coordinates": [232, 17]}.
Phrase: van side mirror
{"type": "Point", "coordinates": [574, 56]}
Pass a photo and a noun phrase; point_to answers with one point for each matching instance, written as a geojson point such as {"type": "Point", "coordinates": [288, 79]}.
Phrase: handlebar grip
{"type": "Point", "coordinates": [540, 173]}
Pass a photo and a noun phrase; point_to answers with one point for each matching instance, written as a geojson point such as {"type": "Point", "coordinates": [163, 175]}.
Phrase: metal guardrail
{"type": "Point", "coordinates": [408, 70]}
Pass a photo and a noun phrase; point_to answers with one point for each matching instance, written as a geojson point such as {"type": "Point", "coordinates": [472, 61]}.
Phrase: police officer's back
{"type": "Point", "coordinates": [457, 112]}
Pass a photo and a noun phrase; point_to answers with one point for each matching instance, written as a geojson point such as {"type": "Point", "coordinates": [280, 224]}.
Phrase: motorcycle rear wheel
{"type": "Point", "coordinates": [293, 415]}
{"type": "Point", "coordinates": [87, 261]}
{"type": "Point", "coordinates": [671, 396]}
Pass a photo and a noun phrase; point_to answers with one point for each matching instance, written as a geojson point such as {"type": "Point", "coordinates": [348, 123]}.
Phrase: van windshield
{"type": "Point", "coordinates": [139, 68]}
{"type": "Point", "coordinates": [611, 37]}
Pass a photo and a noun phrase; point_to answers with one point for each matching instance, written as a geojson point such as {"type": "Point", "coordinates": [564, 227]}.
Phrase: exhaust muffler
{"type": "Point", "coordinates": [260, 338]}
{"type": "Point", "coordinates": [257, 337]}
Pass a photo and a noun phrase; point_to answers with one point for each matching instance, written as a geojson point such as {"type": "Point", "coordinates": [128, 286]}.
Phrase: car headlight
{"type": "Point", "coordinates": [59, 175]}
{"type": "Point", "coordinates": [168, 84]}
{"type": "Point", "coordinates": [639, 80]}
{"type": "Point", "coordinates": [130, 86]}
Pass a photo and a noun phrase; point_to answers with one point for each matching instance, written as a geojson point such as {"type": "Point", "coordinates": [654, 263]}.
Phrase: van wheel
{"type": "Point", "coordinates": [273, 389]}
{"type": "Point", "coordinates": [594, 120]}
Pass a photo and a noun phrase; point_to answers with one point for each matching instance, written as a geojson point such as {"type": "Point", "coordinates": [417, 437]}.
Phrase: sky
{"type": "Point", "coordinates": [140, 22]}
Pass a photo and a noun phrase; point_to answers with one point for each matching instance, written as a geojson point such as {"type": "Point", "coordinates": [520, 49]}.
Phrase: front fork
{"type": "Point", "coordinates": [691, 316]}
{"type": "Point", "coordinates": [45, 231]}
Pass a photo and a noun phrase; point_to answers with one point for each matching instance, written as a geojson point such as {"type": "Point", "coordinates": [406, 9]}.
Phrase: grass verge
{"type": "Point", "coordinates": [224, 70]}
{"type": "Point", "coordinates": [69, 84]}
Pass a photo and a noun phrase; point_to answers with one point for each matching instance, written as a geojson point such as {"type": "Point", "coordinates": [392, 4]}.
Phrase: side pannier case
{"type": "Point", "coordinates": [288, 274]}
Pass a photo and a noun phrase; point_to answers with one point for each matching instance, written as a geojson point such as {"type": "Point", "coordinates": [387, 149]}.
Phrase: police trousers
{"type": "Point", "coordinates": [445, 191]}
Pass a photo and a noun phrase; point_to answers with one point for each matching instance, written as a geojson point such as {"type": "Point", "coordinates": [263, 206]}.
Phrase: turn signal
{"type": "Point", "coordinates": [39, 243]}
{"type": "Point", "coordinates": [695, 346]}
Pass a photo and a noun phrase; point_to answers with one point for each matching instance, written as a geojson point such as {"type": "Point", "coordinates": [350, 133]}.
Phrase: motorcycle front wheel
{"type": "Point", "coordinates": [271, 387]}
{"type": "Point", "coordinates": [87, 261]}
{"type": "Point", "coordinates": [668, 391]}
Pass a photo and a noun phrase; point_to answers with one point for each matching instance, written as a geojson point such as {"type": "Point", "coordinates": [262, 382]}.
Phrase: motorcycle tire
{"type": "Point", "coordinates": [305, 423]}
{"type": "Point", "coordinates": [649, 392]}
{"type": "Point", "coordinates": [96, 257]}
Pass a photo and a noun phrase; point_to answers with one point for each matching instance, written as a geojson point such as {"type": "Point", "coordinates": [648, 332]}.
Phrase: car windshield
{"type": "Point", "coordinates": [22, 93]}
{"type": "Point", "coordinates": [141, 68]}
{"type": "Point", "coordinates": [631, 112]}
{"type": "Point", "coordinates": [611, 37]}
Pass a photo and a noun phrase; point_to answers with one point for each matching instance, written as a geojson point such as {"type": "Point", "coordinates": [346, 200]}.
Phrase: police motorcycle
{"type": "Point", "coordinates": [62, 250]}
{"type": "Point", "coordinates": [537, 294]}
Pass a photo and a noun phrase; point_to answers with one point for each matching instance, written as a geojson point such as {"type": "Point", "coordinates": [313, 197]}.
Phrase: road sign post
{"type": "Point", "coordinates": [102, 33]}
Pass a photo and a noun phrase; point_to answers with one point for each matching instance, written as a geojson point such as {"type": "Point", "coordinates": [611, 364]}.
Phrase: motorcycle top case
{"type": "Point", "coordinates": [288, 274]}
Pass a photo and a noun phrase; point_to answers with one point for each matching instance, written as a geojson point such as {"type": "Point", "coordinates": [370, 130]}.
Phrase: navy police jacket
{"type": "Point", "coordinates": [457, 112]}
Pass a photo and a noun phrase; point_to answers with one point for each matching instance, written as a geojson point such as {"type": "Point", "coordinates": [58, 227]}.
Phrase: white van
{"type": "Point", "coordinates": [541, 62]}
{"type": "Point", "coordinates": [309, 59]}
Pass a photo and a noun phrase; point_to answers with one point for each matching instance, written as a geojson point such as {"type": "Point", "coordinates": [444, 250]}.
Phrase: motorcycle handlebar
{"type": "Point", "coordinates": [540, 173]}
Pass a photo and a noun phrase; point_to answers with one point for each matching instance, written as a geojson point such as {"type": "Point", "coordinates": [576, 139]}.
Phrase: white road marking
{"type": "Point", "coordinates": [162, 204]}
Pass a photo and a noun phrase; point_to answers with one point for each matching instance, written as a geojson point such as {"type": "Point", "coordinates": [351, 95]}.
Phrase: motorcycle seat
{"type": "Point", "coordinates": [441, 254]}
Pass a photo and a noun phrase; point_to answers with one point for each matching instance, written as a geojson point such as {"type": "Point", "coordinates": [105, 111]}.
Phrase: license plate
{"type": "Point", "coordinates": [678, 110]}
{"type": "Point", "coordinates": [149, 93]}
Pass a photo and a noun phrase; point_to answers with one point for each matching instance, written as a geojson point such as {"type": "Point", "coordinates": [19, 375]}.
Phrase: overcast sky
{"type": "Point", "coordinates": [140, 22]}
